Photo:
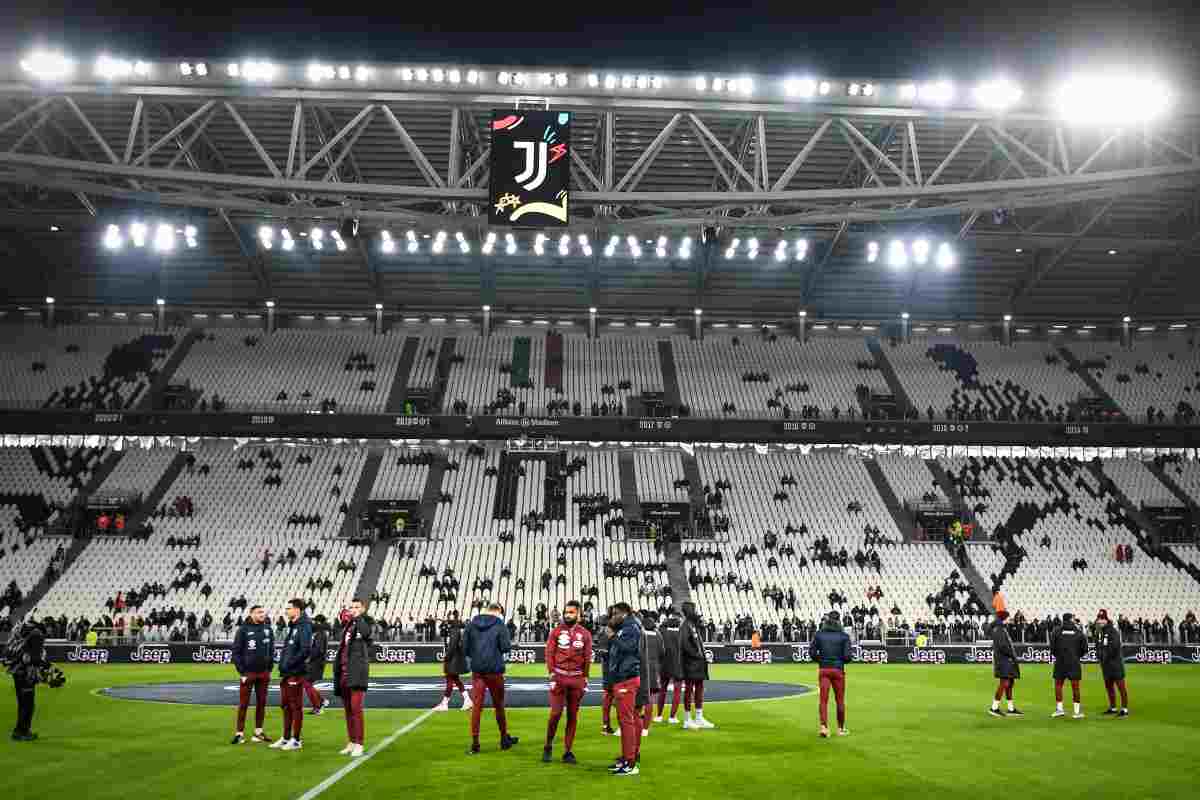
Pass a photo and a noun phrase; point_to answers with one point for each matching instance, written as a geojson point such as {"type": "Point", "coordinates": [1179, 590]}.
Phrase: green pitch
{"type": "Point", "coordinates": [915, 731]}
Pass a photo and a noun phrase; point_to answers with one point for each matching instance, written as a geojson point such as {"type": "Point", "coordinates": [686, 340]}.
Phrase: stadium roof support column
{"type": "Point", "coordinates": [954, 151]}
{"type": "Point", "coordinates": [786, 176]}
{"type": "Point", "coordinates": [263, 155]}
{"type": "Point", "coordinates": [431, 175]}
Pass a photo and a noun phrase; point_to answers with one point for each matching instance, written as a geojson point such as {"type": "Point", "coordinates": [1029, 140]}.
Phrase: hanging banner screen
{"type": "Point", "coordinates": [530, 169]}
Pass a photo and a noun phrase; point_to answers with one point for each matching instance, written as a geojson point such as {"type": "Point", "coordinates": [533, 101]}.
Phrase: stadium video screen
{"type": "Point", "coordinates": [530, 168]}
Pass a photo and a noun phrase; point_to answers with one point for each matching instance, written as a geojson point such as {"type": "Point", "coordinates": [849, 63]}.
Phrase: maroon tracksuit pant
{"type": "Point", "coordinates": [352, 702]}
{"type": "Point", "coordinates": [291, 690]}
{"type": "Point", "coordinates": [256, 682]}
{"type": "Point", "coordinates": [490, 683]}
{"type": "Point", "coordinates": [565, 691]}
{"type": "Point", "coordinates": [625, 698]}
{"type": "Point", "coordinates": [833, 679]}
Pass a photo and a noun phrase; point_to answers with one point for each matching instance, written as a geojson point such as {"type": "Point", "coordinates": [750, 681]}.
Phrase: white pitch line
{"type": "Point", "coordinates": [317, 790]}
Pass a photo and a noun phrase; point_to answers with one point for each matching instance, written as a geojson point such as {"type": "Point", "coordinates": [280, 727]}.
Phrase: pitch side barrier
{"type": "Point", "coordinates": [638, 429]}
{"type": "Point", "coordinates": [217, 653]}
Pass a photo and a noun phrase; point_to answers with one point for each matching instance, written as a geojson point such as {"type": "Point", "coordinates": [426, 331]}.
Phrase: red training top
{"type": "Point", "coordinates": [569, 650]}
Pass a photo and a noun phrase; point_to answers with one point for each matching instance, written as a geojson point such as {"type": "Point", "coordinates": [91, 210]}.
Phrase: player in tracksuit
{"type": "Point", "coordinates": [253, 658]}
{"type": "Point", "coordinates": [1067, 644]}
{"type": "Point", "coordinates": [600, 644]}
{"type": "Point", "coordinates": [1004, 667]}
{"type": "Point", "coordinates": [316, 664]}
{"type": "Point", "coordinates": [1112, 664]}
{"type": "Point", "coordinates": [623, 679]}
{"type": "Point", "coordinates": [569, 662]}
{"type": "Point", "coordinates": [653, 655]}
{"type": "Point", "coordinates": [830, 648]}
{"type": "Point", "coordinates": [293, 669]}
{"type": "Point", "coordinates": [670, 671]}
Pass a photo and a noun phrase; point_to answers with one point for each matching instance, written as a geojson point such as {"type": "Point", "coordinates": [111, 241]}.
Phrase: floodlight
{"type": "Point", "coordinates": [945, 256]}
{"type": "Point", "coordinates": [701, 83]}
{"type": "Point", "coordinates": [920, 250]}
{"type": "Point", "coordinates": [1123, 99]}
{"type": "Point", "coordinates": [164, 238]}
{"type": "Point", "coordinates": [361, 74]}
{"type": "Point", "coordinates": [897, 254]}
{"type": "Point", "coordinates": [939, 92]}
{"type": "Point", "coordinates": [112, 238]}
{"type": "Point", "coordinates": [48, 66]}
{"type": "Point", "coordinates": [593, 80]}
{"type": "Point", "coordinates": [999, 94]}
{"type": "Point", "coordinates": [872, 252]}
{"type": "Point", "coordinates": [137, 232]}
{"type": "Point", "coordinates": [800, 87]}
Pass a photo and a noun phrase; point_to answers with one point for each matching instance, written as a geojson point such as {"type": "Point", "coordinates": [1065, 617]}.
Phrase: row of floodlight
{"type": "Point", "coordinates": [919, 251]}
{"type": "Point", "coordinates": [316, 238]}
{"type": "Point", "coordinates": [784, 250]}
{"type": "Point", "coordinates": [1123, 95]}
{"type": "Point", "coordinates": [139, 233]}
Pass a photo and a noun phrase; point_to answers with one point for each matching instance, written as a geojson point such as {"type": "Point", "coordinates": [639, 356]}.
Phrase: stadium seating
{"type": "Point", "coordinates": [75, 366]}
{"type": "Point", "coordinates": [1027, 378]}
{"type": "Point", "coordinates": [1164, 375]}
{"type": "Point", "coordinates": [825, 373]}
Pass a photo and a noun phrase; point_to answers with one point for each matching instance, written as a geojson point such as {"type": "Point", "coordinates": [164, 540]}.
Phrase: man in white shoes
{"type": "Point", "coordinates": [253, 658]}
{"type": "Point", "coordinates": [351, 671]}
{"type": "Point", "coordinates": [694, 667]}
{"type": "Point", "coordinates": [454, 663]}
{"type": "Point", "coordinates": [830, 649]}
{"type": "Point", "coordinates": [671, 669]}
{"type": "Point", "coordinates": [1068, 644]}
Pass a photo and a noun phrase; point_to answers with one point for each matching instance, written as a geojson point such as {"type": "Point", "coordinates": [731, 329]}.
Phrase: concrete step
{"type": "Point", "coordinates": [677, 575]}
{"type": "Point", "coordinates": [433, 488]}
{"type": "Point", "coordinates": [157, 493]}
{"type": "Point", "coordinates": [1174, 488]}
{"type": "Point", "coordinates": [1091, 382]}
{"type": "Point", "coordinates": [666, 358]}
{"type": "Point", "coordinates": [399, 387]}
{"type": "Point", "coordinates": [944, 482]}
{"type": "Point", "coordinates": [362, 491]}
{"type": "Point", "coordinates": [153, 398]}
{"type": "Point", "coordinates": [889, 374]}
{"type": "Point", "coordinates": [904, 520]}
{"type": "Point", "coordinates": [631, 505]}
{"type": "Point", "coordinates": [373, 568]}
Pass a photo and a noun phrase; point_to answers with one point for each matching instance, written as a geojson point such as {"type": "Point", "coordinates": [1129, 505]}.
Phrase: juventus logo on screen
{"type": "Point", "coordinates": [530, 168]}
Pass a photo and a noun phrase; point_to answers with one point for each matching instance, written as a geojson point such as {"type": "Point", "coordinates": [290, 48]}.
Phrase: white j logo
{"type": "Point", "coordinates": [541, 164]}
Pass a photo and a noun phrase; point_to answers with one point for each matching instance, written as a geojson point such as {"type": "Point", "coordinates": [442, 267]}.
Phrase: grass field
{"type": "Point", "coordinates": [914, 731]}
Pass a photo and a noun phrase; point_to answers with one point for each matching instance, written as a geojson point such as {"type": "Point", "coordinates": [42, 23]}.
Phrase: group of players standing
{"type": "Point", "coordinates": [638, 661]}
{"type": "Point", "coordinates": [301, 666]}
{"type": "Point", "coordinates": [1068, 645]}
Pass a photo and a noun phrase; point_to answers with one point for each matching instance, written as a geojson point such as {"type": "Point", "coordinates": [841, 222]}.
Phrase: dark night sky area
{"type": "Point", "coordinates": [965, 40]}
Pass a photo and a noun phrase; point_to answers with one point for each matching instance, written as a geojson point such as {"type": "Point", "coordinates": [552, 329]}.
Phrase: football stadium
{"type": "Point", "coordinates": [392, 425]}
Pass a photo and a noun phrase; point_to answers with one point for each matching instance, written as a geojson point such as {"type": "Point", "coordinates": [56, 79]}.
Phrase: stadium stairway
{"type": "Point", "coordinates": [889, 373]}
{"type": "Point", "coordinates": [445, 356]}
{"type": "Point", "coordinates": [1131, 510]}
{"type": "Point", "coordinates": [631, 506]}
{"type": "Point", "coordinates": [975, 578]}
{"type": "Point", "coordinates": [156, 495]}
{"type": "Point", "coordinates": [369, 578]}
{"type": "Point", "coordinates": [362, 491]}
{"type": "Point", "coordinates": [904, 520]}
{"type": "Point", "coordinates": [78, 543]}
{"type": "Point", "coordinates": [398, 392]}
{"type": "Point", "coordinates": [943, 480]}
{"type": "Point", "coordinates": [152, 398]}
{"type": "Point", "coordinates": [433, 488]}
{"type": "Point", "coordinates": [691, 471]}
{"type": "Point", "coordinates": [666, 357]}
{"type": "Point", "coordinates": [677, 574]}
{"type": "Point", "coordinates": [1089, 379]}
{"type": "Point", "coordinates": [1173, 487]}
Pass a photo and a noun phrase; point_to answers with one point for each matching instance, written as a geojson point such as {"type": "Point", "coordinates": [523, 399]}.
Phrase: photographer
{"type": "Point", "coordinates": [25, 659]}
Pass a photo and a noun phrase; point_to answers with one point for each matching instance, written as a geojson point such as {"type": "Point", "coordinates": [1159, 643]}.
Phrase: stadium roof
{"type": "Point", "coordinates": [1047, 218]}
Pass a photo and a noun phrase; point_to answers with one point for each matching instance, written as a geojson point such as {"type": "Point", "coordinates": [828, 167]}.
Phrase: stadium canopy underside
{"type": "Point", "coordinates": [1049, 221]}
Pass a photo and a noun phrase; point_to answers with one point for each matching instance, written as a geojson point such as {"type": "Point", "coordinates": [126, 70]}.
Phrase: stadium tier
{"type": "Point", "coordinates": [786, 535]}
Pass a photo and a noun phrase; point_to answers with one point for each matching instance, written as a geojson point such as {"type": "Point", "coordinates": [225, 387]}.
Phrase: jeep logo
{"type": "Point", "coordinates": [869, 655]}
{"type": "Point", "coordinates": [396, 655]}
{"type": "Point", "coordinates": [978, 655]}
{"type": "Point", "coordinates": [1147, 655]}
{"type": "Point", "coordinates": [918, 656]}
{"type": "Point", "coordinates": [212, 655]}
{"type": "Point", "coordinates": [801, 655]}
{"type": "Point", "coordinates": [150, 654]}
{"type": "Point", "coordinates": [88, 655]}
{"type": "Point", "coordinates": [748, 655]}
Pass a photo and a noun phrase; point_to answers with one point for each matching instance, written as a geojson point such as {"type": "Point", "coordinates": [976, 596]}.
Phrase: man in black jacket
{"type": "Point", "coordinates": [622, 680]}
{"type": "Point", "coordinates": [830, 648]}
{"type": "Point", "coordinates": [671, 669]}
{"type": "Point", "coordinates": [293, 667]}
{"type": "Point", "coordinates": [653, 654]}
{"type": "Point", "coordinates": [29, 665]}
{"type": "Point", "coordinates": [694, 661]}
{"type": "Point", "coordinates": [454, 663]}
{"type": "Point", "coordinates": [1004, 666]}
{"type": "Point", "coordinates": [1112, 663]}
{"type": "Point", "coordinates": [1067, 645]}
{"type": "Point", "coordinates": [253, 658]}
{"type": "Point", "coordinates": [316, 664]}
{"type": "Point", "coordinates": [351, 672]}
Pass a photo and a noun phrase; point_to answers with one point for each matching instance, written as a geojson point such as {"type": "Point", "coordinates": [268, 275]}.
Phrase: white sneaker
{"type": "Point", "coordinates": [843, 732]}
{"type": "Point", "coordinates": [467, 704]}
{"type": "Point", "coordinates": [442, 706]}
{"type": "Point", "coordinates": [347, 750]}
{"type": "Point", "coordinates": [279, 744]}
{"type": "Point", "coordinates": [672, 721]}
{"type": "Point", "coordinates": [1080, 715]}
{"type": "Point", "coordinates": [357, 751]}
{"type": "Point", "coordinates": [1058, 714]}
{"type": "Point", "coordinates": [703, 724]}
{"type": "Point", "coordinates": [645, 732]}
{"type": "Point", "coordinates": [688, 725]}
{"type": "Point", "coordinates": [658, 718]}
{"type": "Point", "coordinates": [292, 744]}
